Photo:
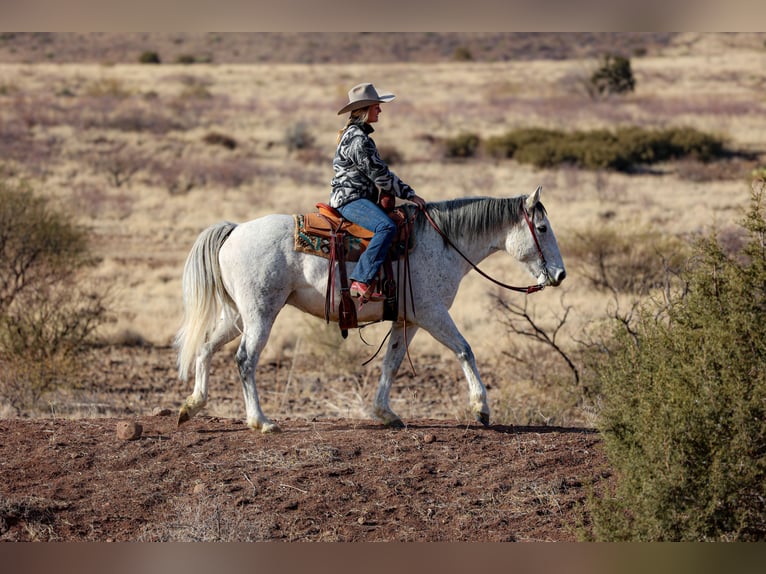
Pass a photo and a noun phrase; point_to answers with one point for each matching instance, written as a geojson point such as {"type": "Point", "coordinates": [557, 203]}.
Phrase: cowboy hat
{"type": "Point", "coordinates": [364, 95]}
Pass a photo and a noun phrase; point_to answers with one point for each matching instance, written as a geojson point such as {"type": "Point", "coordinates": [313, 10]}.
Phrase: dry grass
{"type": "Point", "coordinates": [124, 146]}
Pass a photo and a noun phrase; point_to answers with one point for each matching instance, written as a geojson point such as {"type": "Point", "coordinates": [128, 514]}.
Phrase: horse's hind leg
{"type": "Point", "coordinates": [226, 330]}
{"type": "Point", "coordinates": [253, 341]}
{"type": "Point", "coordinates": [397, 349]}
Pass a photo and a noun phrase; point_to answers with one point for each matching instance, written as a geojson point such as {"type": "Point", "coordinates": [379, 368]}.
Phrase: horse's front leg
{"type": "Point", "coordinates": [397, 349]}
{"type": "Point", "coordinates": [443, 329]}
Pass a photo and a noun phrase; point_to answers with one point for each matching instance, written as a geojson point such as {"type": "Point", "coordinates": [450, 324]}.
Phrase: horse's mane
{"type": "Point", "coordinates": [473, 217]}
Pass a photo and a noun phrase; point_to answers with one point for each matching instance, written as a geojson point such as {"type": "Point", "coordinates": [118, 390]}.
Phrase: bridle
{"type": "Point", "coordinates": [527, 290]}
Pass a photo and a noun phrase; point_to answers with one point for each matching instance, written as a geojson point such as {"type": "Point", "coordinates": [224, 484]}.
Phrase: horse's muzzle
{"type": "Point", "coordinates": [556, 277]}
{"type": "Point", "coordinates": [552, 277]}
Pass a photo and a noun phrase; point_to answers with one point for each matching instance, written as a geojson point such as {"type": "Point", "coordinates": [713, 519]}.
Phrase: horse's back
{"type": "Point", "coordinates": [261, 234]}
{"type": "Point", "coordinates": [260, 255]}
{"type": "Point", "coordinates": [256, 244]}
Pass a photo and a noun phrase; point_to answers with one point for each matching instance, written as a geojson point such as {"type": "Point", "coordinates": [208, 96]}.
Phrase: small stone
{"type": "Point", "coordinates": [129, 430]}
{"type": "Point", "coordinates": [199, 488]}
{"type": "Point", "coordinates": [160, 412]}
{"type": "Point", "coordinates": [429, 438]}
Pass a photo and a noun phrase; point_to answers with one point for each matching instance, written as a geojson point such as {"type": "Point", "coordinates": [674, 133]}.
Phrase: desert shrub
{"type": "Point", "coordinates": [462, 54]}
{"type": "Point", "coordinates": [8, 89]}
{"type": "Point", "coordinates": [177, 175]}
{"type": "Point", "coordinates": [119, 163]}
{"type": "Point", "coordinates": [216, 138]}
{"type": "Point", "coordinates": [298, 137]}
{"type": "Point", "coordinates": [134, 116]}
{"type": "Point", "coordinates": [620, 150]}
{"type": "Point", "coordinates": [390, 154]}
{"type": "Point", "coordinates": [688, 142]}
{"type": "Point", "coordinates": [181, 175]}
{"type": "Point", "coordinates": [626, 258]}
{"type": "Point", "coordinates": [230, 172]}
{"type": "Point", "coordinates": [149, 57]}
{"type": "Point", "coordinates": [684, 404]}
{"type": "Point", "coordinates": [48, 313]}
{"type": "Point", "coordinates": [185, 59]}
{"type": "Point", "coordinates": [613, 76]}
{"type": "Point", "coordinates": [463, 145]}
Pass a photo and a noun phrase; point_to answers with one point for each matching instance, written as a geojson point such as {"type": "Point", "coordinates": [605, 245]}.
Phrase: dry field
{"type": "Point", "coordinates": [127, 148]}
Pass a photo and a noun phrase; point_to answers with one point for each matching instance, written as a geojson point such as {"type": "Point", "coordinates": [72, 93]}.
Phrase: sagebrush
{"type": "Point", "coordinates": [684, 404]}
{"type": "Point", "coordinates": [48, 309]}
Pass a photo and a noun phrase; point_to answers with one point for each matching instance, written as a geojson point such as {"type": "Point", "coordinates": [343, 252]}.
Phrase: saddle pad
{"type": "Point", "coordinates": [307, 240]}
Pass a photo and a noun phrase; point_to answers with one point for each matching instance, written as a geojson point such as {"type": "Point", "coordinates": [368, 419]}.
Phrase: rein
{"type": "Point", "coordinates": [527, 290]}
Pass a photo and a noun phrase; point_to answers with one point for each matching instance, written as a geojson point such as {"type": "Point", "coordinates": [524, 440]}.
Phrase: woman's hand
{"type": "Point", "coordinates": [419, 201]}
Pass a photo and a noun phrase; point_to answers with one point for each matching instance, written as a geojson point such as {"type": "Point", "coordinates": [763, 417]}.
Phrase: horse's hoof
{"type": "Point", "coordinates": [483, 418]}
{"type": "Point", "coordinates": [395, 424]}
{"type": "Point", "coordinates": [269, 428]}
{"type": "Point", "coordinates": [183, 417]}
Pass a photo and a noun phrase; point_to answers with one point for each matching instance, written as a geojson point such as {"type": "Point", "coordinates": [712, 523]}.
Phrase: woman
{"type": "Point", "coordinates": [360, 175]}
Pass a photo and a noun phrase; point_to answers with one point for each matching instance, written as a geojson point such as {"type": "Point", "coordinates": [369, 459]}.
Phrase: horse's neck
{"type": "Point", "coordinates": [476, 249]}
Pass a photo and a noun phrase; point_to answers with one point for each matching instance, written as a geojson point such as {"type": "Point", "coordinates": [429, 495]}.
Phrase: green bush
{"type": "Point", "coordinates": [613, 76]}
{"type": "Point", "coordinates": [462, 54]}
{"type": "Point", "coordinates": [620, 150]}
{"type": "Point", "coordinates": [149, 57]}
{"type": "Point", "coordinates": [684, 405]}
{"type": "Point", "coordinates": [298, 137]}
{"type": "Point", "coordinates": [48, 312]}
{"type": "Point", "coordinates": [463, 145]}
{"type": "Point", "coordinates": [506, 145]}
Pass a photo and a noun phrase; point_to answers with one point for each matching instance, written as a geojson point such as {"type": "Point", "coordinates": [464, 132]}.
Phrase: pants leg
{"type": "Point", "coordinates": [365, 213]}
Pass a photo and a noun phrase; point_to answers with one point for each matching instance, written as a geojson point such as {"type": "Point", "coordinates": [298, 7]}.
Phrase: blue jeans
{"type": "Point", "coordinates": [367, 214]}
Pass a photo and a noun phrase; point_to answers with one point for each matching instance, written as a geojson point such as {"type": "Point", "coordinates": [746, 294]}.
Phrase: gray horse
{"type": "Point", "coordinates": [232, 287]}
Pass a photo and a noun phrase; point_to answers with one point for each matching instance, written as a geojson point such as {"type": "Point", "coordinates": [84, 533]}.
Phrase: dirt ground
{"type": "Point", "coordinates": [321, 479]}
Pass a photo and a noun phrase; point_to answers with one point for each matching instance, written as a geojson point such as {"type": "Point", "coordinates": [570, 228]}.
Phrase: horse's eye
{"type": "Point", "coordinates": [542, 228]}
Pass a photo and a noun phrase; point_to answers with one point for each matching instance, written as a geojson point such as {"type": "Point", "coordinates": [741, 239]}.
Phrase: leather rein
{"type": "Point", "coordinates": [527, 290]}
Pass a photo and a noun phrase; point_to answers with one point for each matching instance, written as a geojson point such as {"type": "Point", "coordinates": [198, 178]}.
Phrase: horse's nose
{"type": "Point", "coordinates": [558, 276]}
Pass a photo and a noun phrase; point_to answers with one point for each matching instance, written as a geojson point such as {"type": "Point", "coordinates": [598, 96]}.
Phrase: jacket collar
{"type": "Point", "coordinates": [365, 127]}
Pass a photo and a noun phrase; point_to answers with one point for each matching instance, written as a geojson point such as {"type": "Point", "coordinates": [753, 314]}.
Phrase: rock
{"type": "Point", "coordinates": [429, 438]}
{"type": "Point", "coordinates": [160, 412]}
{"type": "Point", "coordinates": [129, 430]}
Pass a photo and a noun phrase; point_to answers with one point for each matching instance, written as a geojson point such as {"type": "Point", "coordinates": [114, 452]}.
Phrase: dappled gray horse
{"type": "Point", "coordinates": [237, 278]}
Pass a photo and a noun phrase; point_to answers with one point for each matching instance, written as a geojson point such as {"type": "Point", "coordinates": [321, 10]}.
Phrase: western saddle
{"type": "Point", "coordinates": [329, 224]}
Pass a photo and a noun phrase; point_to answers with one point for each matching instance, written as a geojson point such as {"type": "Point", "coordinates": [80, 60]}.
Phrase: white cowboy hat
{"type": "Point", "coordinates": [364, 95]}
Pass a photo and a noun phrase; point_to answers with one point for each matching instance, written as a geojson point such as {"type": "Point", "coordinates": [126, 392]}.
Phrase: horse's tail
{"type": "Point", "coordinates": [204, 295]}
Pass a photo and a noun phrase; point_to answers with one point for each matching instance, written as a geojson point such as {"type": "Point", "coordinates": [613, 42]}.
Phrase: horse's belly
{"type": "Point", "coordinates": [312, 302]}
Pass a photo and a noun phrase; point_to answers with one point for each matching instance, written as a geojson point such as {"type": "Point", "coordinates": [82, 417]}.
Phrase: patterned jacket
{"type": "Point", "coordinates": [359, 170]}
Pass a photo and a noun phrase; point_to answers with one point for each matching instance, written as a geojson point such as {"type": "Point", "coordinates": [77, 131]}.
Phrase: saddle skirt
{"type": "Point", "coordinates": [314, 232]}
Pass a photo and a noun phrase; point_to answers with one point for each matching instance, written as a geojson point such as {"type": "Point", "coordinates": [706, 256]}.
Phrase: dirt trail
{"type": "Point", "coordinates": [322, 480]}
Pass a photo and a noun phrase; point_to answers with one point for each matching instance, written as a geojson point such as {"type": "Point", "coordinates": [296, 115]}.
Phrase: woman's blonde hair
{"type": "Point", "coordinates": [356, 117]}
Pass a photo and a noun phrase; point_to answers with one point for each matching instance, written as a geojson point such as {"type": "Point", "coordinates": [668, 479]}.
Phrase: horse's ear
{"type": "Point", "coordinates": [533, 199]}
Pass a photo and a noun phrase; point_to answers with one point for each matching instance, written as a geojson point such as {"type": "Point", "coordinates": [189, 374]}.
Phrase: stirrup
{"type": "Point", "coordinates": [365, 292]}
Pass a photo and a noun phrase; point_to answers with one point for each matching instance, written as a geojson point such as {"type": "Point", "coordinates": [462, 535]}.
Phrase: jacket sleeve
{"type": "Point", "coordinates": [372, 165]}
